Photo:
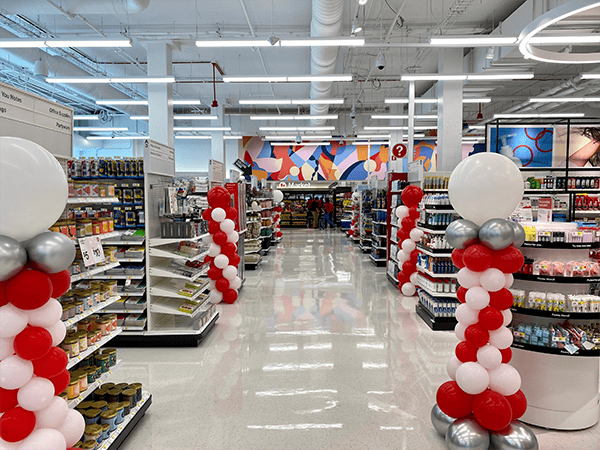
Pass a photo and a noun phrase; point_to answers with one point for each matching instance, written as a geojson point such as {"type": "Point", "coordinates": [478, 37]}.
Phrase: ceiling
{"type": "Point", "coordinates": [184, 21]}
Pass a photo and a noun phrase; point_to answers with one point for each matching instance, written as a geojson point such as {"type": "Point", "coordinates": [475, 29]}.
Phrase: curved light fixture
{"type": "Point", "coordinates": [529, 35]}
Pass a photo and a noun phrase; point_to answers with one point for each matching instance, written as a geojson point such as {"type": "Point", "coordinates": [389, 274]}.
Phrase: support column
{"type": "Point", "coordinates": [217, 143]}
{"type": "Point", "coordinates": [396, 138]}
{"type": "Point", "coordinates": [450, 110]}
{"type": "Point", "coordinates": [160, 95]}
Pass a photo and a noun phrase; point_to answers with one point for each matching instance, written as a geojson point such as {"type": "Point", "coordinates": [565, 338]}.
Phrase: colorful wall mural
{"type": "Point", "coordinates": [314, 162]}
{"type": "Point", "coordinates": [426, 151]}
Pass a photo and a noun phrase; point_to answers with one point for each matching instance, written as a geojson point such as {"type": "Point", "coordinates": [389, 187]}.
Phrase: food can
{"type": "Point", "coordinates": [93, 433]}
{"type": "Point", "coordinates": [89, 445]}
{"type": "Point", "coordinates": [130, 396]}
{"type": "Point", "coordinates": [138, 391]}
{"type": "Point", "coordinates": [109, 417]}
{"type": "Point", "coordinates": [102, 405]}
{"type": "Point", "coordinates": [103, 362]}
{"type": "Point", "coordinates": [114, 395]}
{"type": "Point", "coordinates": [71, 346]}
{"type": "Point", "coordinates": [105, 431]}
{"type": "Point", "coordinates": [126, 408]}
{"type": "Point", "coordinates": [112, 352]}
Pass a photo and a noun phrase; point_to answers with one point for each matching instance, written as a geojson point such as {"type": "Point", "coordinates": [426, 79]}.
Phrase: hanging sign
{"type": "Point", "coordinates": [398, 151]}
{"type": "Point", "coordinates": [91, 250]}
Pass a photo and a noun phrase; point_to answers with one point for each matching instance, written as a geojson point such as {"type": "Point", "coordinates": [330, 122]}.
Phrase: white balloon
{"type": "Point", "coordinates": [6, 347]}
{"type": "Point", "coordinates": [8, 445]}
{"type": "Point", "coordinates": [467, 278]}
{"type": "Point", "coordinates": [27, 170]}
{"type": "Point", "coordinates": [215, 297]}
{"type": "Point", "coordinates": [72, 428]}
{"type": "Point", "coordinates": [277, 195]}
{"type": "Point", "coordinates": [489, 357]}
{"type": "Point", "coordinates": [485, 186]}
{"type": "Point", "coordinates": [15, 372]}
{"type": "Point", "coordinates": [53, 415]}
{"type": "Point", "coordinates": [36, 394]}
{"type": "Point", "coordinates": [233, 237]}
{"type": "Point", "coordinates": [509, 280]}
{"type": "Point", "coordinates": [208, 239]}
{"type": "Point", "coordinates": [507, 317]}
{"type": "Point", "coordinates": [413, 278]}
{"type": "Point", "coordinates": [477, 298]}
{"type": "Point", "coordinates": [452, 365]}
{"type": "Point", "coordinates": [221, 261]}
{"type": "Point", "coordinates": [416, 234]}
{"type": "Point", "coordinates": [227, 226]}
{"type": "Point", "coordinates": [402, 256]}
{"type": "Point", "coordinates": [408, 289]}
{"type": "Point", "coordinates": [459, 331]}
{"type": "Point", "coordinates": [466, 315]}
{"type": "Point", "coordinates": [218, 214]}
{"type": "Point", "coordinates": [401, 212]}
{"type": "Point", "coordinates": [505, 380]}
{"type": "Point", "coordinates": [492, 280]}
{"type": "Point", "coordinates": [44, 439]}
{"type": "Point", "coordinates": [214, 250]}
{"type": "Point", "coordinates": [408, 245]}
{"type": "Point", "coordinates": [12, 320]}
{"type": "Point", "coordinates": [236, 283]}
{"type": "Point", "coordinates": [47, 315]}
{"type": "Point", "coordinates": [472, 378]}
{"type": "Point", "coordinates": [58, 331]}
{"type": "Point", "coordinates": [230, 272]}
{"type": "Point", "coordinates": [501, 338]}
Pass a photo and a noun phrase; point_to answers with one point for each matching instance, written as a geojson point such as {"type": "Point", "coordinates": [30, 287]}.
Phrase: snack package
{"type": "Point", "coordinates": [558, 268]}
{"type": "Point", "coordinates": [543, 268]}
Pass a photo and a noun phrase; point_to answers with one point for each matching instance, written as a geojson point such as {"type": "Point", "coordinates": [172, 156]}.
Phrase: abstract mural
{"type": "Point", "coordinates": [532, 145]}
{"type": "Point", "coordinates": [315, 162]}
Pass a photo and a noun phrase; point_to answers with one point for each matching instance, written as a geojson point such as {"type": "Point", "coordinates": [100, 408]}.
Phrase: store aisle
{"type": "Point", "coordinates": [320, 351]}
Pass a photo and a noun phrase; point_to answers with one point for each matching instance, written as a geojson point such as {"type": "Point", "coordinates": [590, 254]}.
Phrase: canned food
{"type": "Point", "coordinates": [93, 433]}
{"type": "Point", "coordinates": [114, 395]}
{"type": "Point", "coordinates": [89, 445]}
{"type": "Point", "coordinates": [138, 391]}
{"type": "Point", "coordinates": [109, 417]}
{"type": "Point", "coordinates": [105, 431]}
{"type": "Point", "coordinates": [112, 353]}
{"type": "Point", "coordinates": [129, 395]}
{"type": "Point", "coordinates": [73, 388]}
{"type": "Point", "coordinates": [101, 405]}
{"type": "Point", "coordinates": [71, 346]}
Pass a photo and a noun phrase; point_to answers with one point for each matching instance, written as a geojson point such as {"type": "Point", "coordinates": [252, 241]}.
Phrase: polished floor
{"type": "Point", "coordinates": [319, 352]}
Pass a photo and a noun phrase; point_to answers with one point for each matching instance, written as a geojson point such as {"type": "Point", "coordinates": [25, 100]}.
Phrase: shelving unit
{"type": "Point", "coordinates": [89, 312]}
{"type": "Point", "coordinates": [123, 430]}
{"type": "Point", "coordinates": [395, 183]}
{"type": "Point", "coordinates": [93, 348]}
{"type": "Point", "coordinates": [93, 386]}
{"type": "Point", "coordinates": [93, 272]}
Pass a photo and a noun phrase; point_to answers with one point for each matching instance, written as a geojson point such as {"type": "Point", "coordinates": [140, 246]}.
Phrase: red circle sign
{"type": "Point", "coordinates": [399, 150]}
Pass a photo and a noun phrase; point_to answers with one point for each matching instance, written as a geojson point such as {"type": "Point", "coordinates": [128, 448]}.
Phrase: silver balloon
{"type": "Point", "coordinates": [496, 234]}
{"type": "Point", "coordinates": [12, 257]}
{"type": "Point", "coordinates": [514, 437]}
{"type": "Point", "coordinates": [440, 420]}
{"type": "Point", "coordinates": [461, 233]}
{"type": "Point", "coordinates": [519, 233]}
{"type": "Point", "coordinates": [467, 433]}
{"type": "Point", "coordinates": [50, 252]}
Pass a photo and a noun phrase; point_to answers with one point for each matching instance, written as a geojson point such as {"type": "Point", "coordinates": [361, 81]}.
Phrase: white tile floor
{"type": "Point", "coordinates": [320, 351]}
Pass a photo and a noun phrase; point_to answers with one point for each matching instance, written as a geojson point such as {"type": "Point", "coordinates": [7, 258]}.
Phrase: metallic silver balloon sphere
{"type": "Point", "coordinates": [50, 252]}
{"type": "Point", "coordinates": [514, 437]}
{"type": "Point", "coordinates": [440, 421]}
{"type": "Point", "coordinates": [467, 433]}
{"type": "Point", "coordinates": [461, 233]}
{"type": "Point", "coordinates": [519, 233]}
{"type": "Point", "coordinates": [496, 234]}
{"type": "Point", "coordinates": [12, 257]}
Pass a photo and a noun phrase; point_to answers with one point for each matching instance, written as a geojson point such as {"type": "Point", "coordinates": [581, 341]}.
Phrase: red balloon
{"type": "Point", "coordinates": [207, 214]}
{"type": "Point", "coordinates": [460, 294]}
{"type": "Point", "coordinates": [411, 195]}
{"type": "Point", "coordinates": [32, 343]}
{"type": "Point", "coordinates": [351, 233]}
{"type": "Point", "coordinates": [476, 335]}
{"type": "Point", "coordinates": [465, 352]}
{"type": "Point", "coordinates": [16, 424]}
{"type": "Point", "coordinates": [414, 256]}
{"type": "Point", "coordinates": [409, 267]}
{"type": "Point", "coordinates": [3, 299]}
{"type": "Point", "coordinates": [8, 399]}
{"type": "Point", "coordinates": [508, 260]}
{"type": "Point", "coordinates": [502, 299]}
{"type": "Point", "coordinates": [402, 236]}
{"type": "Point", "coordinates": [235, 260]}
{"type": "Point", "coordinates": [213, 227]}
{"type": "Point", "coordinates": [492, 410]}
{"type": "Point", "coordinates": [457, 258]}
{"type": "Point", "coordinates": [413, 213]}
{"type": "Point", "coordinates": [279, 234]}
{"type": "Point", "coordinates": [220, 237]}
{"type": "Point", "coordinates": [208, 259]}
{"type": "Point", "coordinates": [30, 289]}
{"type": "Point", "coordinates": [230, 296]}
{"type": "Point", "coordinates": [219, 197]}
{"type": "Point", "coordinates": [60, 381]}
{"type": "Point", "coordinates": [228, 249]}
{"type": "Point", "coordinates": [51, 364]}
{"type": "Point", "coordinates": [490, 318]}
{"type": "Point", "coordinates": [408, 223]}
{"type": "Point", "coordinates": [231, 213]}
{"type": "Point", "coordinates": [506, 355]}
{"type": "Point", "coordinates": [214, 273]}
{"type": "Point", "coordinates": [402, 278]}
{"type": "Point", "coordinates": [61, 283]}
{"type": "Point", "coordinates": [518, 404]}
{"type": "Point", "coordinates": [477, 258]}
{"type": "Point", "coordinates": [453, 401]}
{"type": "Point", "coordinates": [222, 284]}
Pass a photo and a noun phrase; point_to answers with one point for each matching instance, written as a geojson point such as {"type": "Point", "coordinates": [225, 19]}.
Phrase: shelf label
{"type": "Point", "coordinates": [545, 209]}
{"type": "Point", "coordinates": [91, 250]}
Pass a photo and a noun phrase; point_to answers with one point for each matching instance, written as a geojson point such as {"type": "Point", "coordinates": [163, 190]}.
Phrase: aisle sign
{"type": "Point", "coordinates": [398, 151]}
{"type": "Point", "coordinates": [545, 209]}
{"type": "Point", "coordinates": [91, 250]}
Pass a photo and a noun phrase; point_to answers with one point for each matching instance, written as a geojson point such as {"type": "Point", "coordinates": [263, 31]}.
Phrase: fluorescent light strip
{"type": "Point", "coordinates": [325, 128]}
{"type": "Point", "coordinates": [303, 117]}
{"type": "Point", "coordinates": [143, 79]}
{"type": "Point", "coordinates": [109, 80]}
{"type": "Point", "coordinates": [373, 136]}
{"type": "Point", "coordinates": [374, 128]}
{"type": "Point", "coordinates": [468, 77]}
{"type": "Point", "coordinates": [22, 43]}
{"type": "Point", "coordinates": [78, 117]}
{"type": "Point", "coordinates": [194, 117]}
{"type": "Point", "coordinates": [538, 116]}
{"type": "Point", "coordinates": [562, 40]}
{"type": "Point", "coordinates": [403, 116]}
{"type": "Point", "coordinates": [193, 137]}
{"type": "Point", "coordinates": [232, 137]}
{"type": "Point", "coordinates": [477, 127]}
{"type": "Point", "coordinates": [186, 102]}
{"type": "Point", "coordinates": [305, 137]}
{"type": "Point", "coordinates": [142, 102]}
{"type": "Point", "coordinates": [201, 128]}
{"type": "Point", "coordinates": [287, 79]}
{"type": "Point", "coordinates": [139, 117]}
{"type": "Point", "coordinates": [233, 43]}
{"type": "Point", "coordinates": [323, 42]}
{"type": "Point", "coordinates": [433, 77]}
{"type": "Point", "coordinates": [100, 129]}
{"type": "Point", "coordinates": [590, 76]}
{"type": "Point", "coordinates": [500, 76]}
{"type": "Point", "coordinates": [435, 100]}
{"type": "Point", "coordinates": [308, 101]}
{"type": "Point", "coordinates": [472, 41]}
{"type": "Point", "coordinates": [250, 101]}
{"type": "Point", "coordinates": [371, 142]}
{"type": "Point", "coordinates": [295, 143]}
{"type": "Point", "coordinates": [108, 138]}
{"type": "Point", "coordinates": [476, 100]}
{"type": "Point", "coordinates": [563, 99]}
{"type": "Point", "coordinates": [88, 43]}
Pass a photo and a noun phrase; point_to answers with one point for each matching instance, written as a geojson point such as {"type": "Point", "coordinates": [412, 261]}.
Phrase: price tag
{"type": "Point", "coordinates": [91, 250]}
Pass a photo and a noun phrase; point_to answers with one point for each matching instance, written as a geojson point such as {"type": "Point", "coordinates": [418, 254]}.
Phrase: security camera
{"type": "Point", "coordinates": [353, 114]}
{"type": "Point", "coordinates": [298, 139]}
{"type": "Point", "coordinates": [380, 62]}
{"type": "Point", "coordinates": [273, 40]}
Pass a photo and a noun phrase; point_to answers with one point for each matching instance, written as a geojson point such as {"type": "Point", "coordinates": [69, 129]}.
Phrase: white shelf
{"type": "Point", "coordinates": [125, 311]}
{"type": "Point", "coordinates": [377, 209]}
{"type": "Point", "coordinates": [449, 210]}
{"type": "Point", "coordinates": [89, 312]}
{"type": "Point", "coordinates": [376, 260]}
{"type": "Point", "coordinates": [426, 230]}
{"type": "Point", "coordinates": [89, 200]}
{"type": "Point", "coordinates": [169, 331]}
{"type": "Point", "coordinates": [93, 386]}
{"type": "Point", "coordinates": [164, 271]}
{"type": "Point", "coordinates": [380, 223]}
{"type": "Point", "coordinates": [90, 273]}
{"type": "Point", "coordinates": [131, 260]}
{"type": "Point", "coordinates": [393, 241]}
{"type": "Point", "coordinates": [93, 348]}
{"type": "Point", "coordinates": [131, 330]}
{"type": "Point", "coordinates": [159, 241]}
{"type": "Point", "coordinates": [102, 237]}
{"type": "Point", "coordinates": [381, 248]}
{"type": "Point", "coordinates": [436, 275]}
{"type": "Point", "coordinates": [138, 293]}
{"type": "Point", "coordinates": [594, 213]}
{"type": "Point", "coordinates": [441, 255]}
{"type": "Point", "coordinates": [117, 277]}
{"type": "Point", "coordinates": [120, 242]}
{"type": "Point", "coordinates": [165, 290]}
{"type": "Point", "coordinates": [105, 445]}
{"type": "Point", "coordinates": [393, 259]}
{"type": "Point", "coordinates": [436, 294]}
{"type": "Point", "coordinates": [167, 254]}
{"type": "Point", "coordinates": [164, 308]}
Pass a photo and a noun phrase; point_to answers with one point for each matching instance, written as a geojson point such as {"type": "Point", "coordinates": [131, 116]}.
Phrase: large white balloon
{"type": "Point", "coordinates": [416, 234]}
{"type": "Point", "coordinates": [472, 378]}
{"type": "Point", "coordinates": [236, 283]}
{"type": "Point", "coordinates": [72, 428]}
{"type": "Point", "coordinates": [15, 372]}
{"type": "Point", "coordinates": [402, 256]}
{"type": "Point", "coordinates": [207, 239]}
{"type": "Point", "coordinates": [477, 298]}
{"type": "Point", "coordinates": [485, 186]}
{"type": "Point", "coordinates": [227, 226]}
{"type": "Point", "coordinates": [414, 277]}
{"type": "Point", "coordinates": [408, 289]}
{"type": "Point", "coordinates": [507, 317]}
{"type": "Point", "coordinates": [53, 415]}
{"type": "Point", "coordinates": [467, 278]}
{"type": "Point", "coordinates": [215, 297]}
{"type": "Point", "coordinates": [453, 364]}
{"type": "Point", "coordinates": [508, 280]}
{"type": "Point", "coordinates": [230, 272]}
{"type": "Point", "coordinates": [36, 395]}
{"type": "Point", "coordinates": [6, 347]}
{"type": "Point", "coordinates": [489, 357]}
{"type": "Point", "coordinates": [408, 245]}
{"type": "Point", "coordinates": [467, 315]}
{"type": "Point", "coordinates": [47, 315]}
{"type": "Point", "coordinates": [28, 170]}
{"type": "Point", "coordinates": [45, 439]}
{"type": "Point", "coordinates": [501, 338]}
{"type": "Point", "coordinates": [221, 261]}
{"type": "Point", "coordinates": [505, 380]}
{"type": "Point", "coordinates": [492, 280]}
{"type": "Point", "coordinates": [233, 237]}
{"type": "Point", "coordinates": [459, 331]}
{"type": "Point", "coordinates": [12, 320]}
{"type": "Point", "coordinates": [58, 331]}
{"type": "Point", "coordinates": [218, 214]}
{"type": "Point", "coordinates": [277, 196]}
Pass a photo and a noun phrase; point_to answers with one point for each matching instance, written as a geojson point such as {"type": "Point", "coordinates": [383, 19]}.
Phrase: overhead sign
{"type": "Point", "coordinates": [399, 151]}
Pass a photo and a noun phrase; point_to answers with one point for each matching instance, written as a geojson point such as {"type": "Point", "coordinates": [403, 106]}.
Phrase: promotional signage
{"type": "Point", "coordinates": [399, 151]}
{"type": "Point", "coordinates": [545, 209]}
{"type": "Point", "coordinates": [91, 250]}
{"type": "Point", "coordinates": [159, 158]}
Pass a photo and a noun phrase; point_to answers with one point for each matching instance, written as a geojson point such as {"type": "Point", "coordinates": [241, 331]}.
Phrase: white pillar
{"type": "Point", "coordinates": [217, 143]}
{"type": "Point", "coordinates": [396, 138]}
{"type": "Point", "coordinates": [411, 120]}
{"type": "Point", "coordinates": [160, 95]}
{"type": "Point", "coordinates": [449, 144]}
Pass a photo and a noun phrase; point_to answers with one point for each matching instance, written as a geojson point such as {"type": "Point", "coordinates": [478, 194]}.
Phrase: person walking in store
{"type": "Point", "coordinates": [310, 208]}
{"type": "Point", "coordinates": [314, 209]}
{"type": "Point", "coordinates": [328, 208]}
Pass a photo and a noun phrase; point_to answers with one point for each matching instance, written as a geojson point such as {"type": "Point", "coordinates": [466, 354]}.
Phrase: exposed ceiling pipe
{"type": "Point", "coordinates": [326, 21]}
{"type": "Point", "coordinates": [74, 7]}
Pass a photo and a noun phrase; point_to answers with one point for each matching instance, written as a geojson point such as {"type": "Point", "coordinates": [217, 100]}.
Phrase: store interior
{"type": "Point", "coordinates": [271, 224]}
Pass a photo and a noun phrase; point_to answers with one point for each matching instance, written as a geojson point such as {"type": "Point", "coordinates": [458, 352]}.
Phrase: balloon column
{"type": "Point", "coordinates": [408, 235]}
{"type": "Point", "coordinates": [222, 254]}
{"type": "Point", "coordinates": [355, 214]}
{"type": "Point", "coordinates": [484, 392]}
{"type": "Point", "coordinates": [33, 370]}
{"type": "Point", "coordinates": [276, 216]}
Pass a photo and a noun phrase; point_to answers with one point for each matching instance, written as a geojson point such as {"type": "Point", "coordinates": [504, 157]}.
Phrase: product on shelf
{"type": "Point", "coordinates": [438, 307]}
{"type": "Point", "coordinates": [565, 335]}
{"type": "Point", "coordinates": [103, 167]}
{"type": "Point", "coordinates": [556, 302]}
{"type": "Point", "coordinates": [436, 200]}
{"type": "Point", "coordinates": [437, 285]}
{"type": "Point", "coordinates": [436, 182]}
{"type": "Point", "coordinates": [435, 264]}
{"type": "Point", "coordinates": [572, 232]}
{"type": "Point", "coordinates": [549, 182]}
{"type": "Point", "coordinates": [543, 267]}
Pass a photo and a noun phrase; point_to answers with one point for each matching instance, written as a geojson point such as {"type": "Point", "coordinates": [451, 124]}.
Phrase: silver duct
{"type": "Point", "coordinates": [87, 7]}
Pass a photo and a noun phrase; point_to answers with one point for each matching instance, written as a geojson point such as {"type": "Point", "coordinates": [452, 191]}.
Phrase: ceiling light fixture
{"type": "Point", "coordinates": [194, 117]}
{"type": "Point", "coordinates": [108, 138]}
{"type": "Point", "coordinates": [563, 99]}
{"type": "Point", "coordinates": [490, 53]}
{"type": "Point", "coordinates": [472, 41]}
{"type": "Point", "coordinates": [186, 102]}
{"type": "Point", "coordinates": [100, 129]}
{"type": "Point", "coordinates": [83, 117]}
{"type": "Point", "coordinates": [304, 137]}
{"type": "Point", "coordinates": [590, 76]}
{"type": "Point", "coordinates": [324, 42]}
{"type": "Point", "coordinates": [433, 77]}
{"type": "Point", "coordinates": [291, 143]}
{"type": "Point", "coordinates": [403, 116]}
{"type": "Point", "coordinates": [134, 117]}
{"type": "Point", "coordinates": [477, 100]}
{"type": "Point", "coordinates": [355, 28]}
{"type": "Point", "coordinates": [274, 41]}
{"type": "Point", "coordinates": [301, 117]}
{"type": "Point", "coordinates": [377, 128]}
{"type": "Point", "coordinates": [108, 80]}
{"type": "Point", "coordinates": [22, 43]}
{"type": "Point", "coordinates": [362, 2]}
{"type": "Point", "coordinates": [178, 136]}
{"type": "Point", "coordinates": [564, 40]}
{"type": "Point", "coordinates": [131, 102]}
{"type": "Point", "coordinates": [467, 76]}
{"type": "Point", "coordinates": [88, 43]}
{"type": "Point", "coordinates": [373, 136]}
{"type": "Point", "coordinates": [538, 115]}
{"type": "Point", "coordinates": [287, 79]}
{"type": "Point", "coordinates": [319, 101]}
{"type": "Point", "coordinates": [265, 102]}
{"type": "Point", "coordinates": [227, 138]}
{"type": "Point", "coordinates": [201, 128]}
{"type": "Point", "coordinates": [325, 128]}
{"type": "Point", "coordinates": [499, 76]}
